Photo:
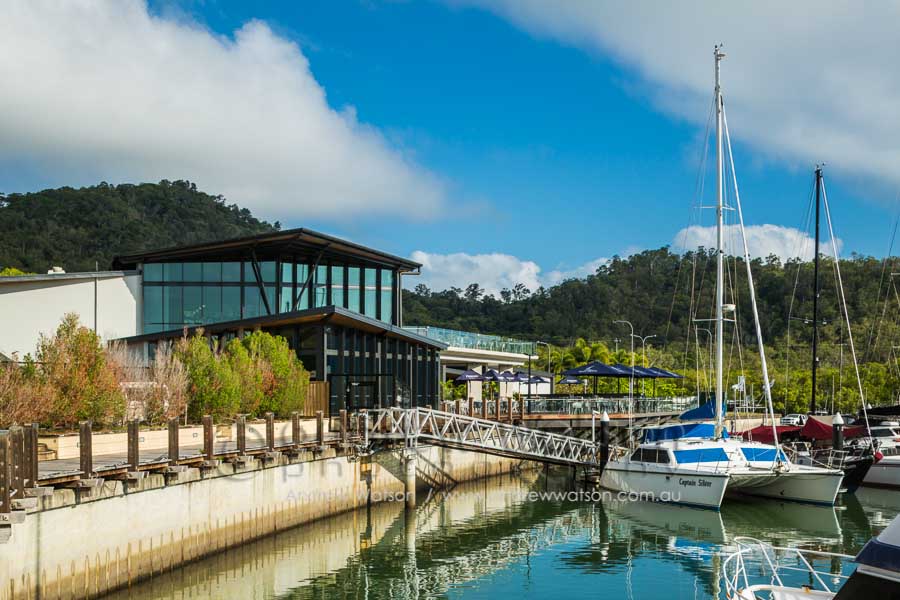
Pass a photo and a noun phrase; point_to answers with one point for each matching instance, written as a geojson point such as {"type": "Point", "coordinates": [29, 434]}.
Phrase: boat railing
{"type": "Point", "coordinates": [827, 458]}
{"type": "Point", "coordinates": [759, 567]}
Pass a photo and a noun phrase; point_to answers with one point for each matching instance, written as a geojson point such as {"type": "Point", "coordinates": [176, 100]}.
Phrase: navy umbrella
{"type": "Point", "coordinates": [467, 376]}
{"type": "Point", "coordinates": [569, 380]}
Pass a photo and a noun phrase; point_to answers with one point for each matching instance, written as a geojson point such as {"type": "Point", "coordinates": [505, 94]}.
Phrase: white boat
{"type": "Point", "coordinates": [757, 571]}
{"type": "Point", "coordinates": [885, 473]}
{"type": "Point", "coordinates": [696, 463]}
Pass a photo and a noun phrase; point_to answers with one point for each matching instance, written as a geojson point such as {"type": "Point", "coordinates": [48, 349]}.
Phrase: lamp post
{"type": "Point", "coordinates": [643, 354]}
{"type": "Point", "coordinates": [630, 382]}
{"type": "Point", "coordinates": [539, 343]}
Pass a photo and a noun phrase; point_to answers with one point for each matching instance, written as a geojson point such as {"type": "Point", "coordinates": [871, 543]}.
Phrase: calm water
{"type": "Point", "coordinates": [488, 539]}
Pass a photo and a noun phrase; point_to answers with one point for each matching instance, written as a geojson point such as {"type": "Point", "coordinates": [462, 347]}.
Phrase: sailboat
{"type": "Point", "coordinates": [697, 464]}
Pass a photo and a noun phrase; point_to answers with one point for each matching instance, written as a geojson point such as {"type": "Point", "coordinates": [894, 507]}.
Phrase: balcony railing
{"type": "Point", "coordinates": [475, 341]}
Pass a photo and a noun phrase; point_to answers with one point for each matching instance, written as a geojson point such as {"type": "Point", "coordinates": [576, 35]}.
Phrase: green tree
{"type": "Point", "coordinates": [213, 387]}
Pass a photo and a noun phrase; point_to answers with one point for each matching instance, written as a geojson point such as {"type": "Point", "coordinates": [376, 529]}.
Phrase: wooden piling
{"type": "Point", "coordinates": [17, 464]}
{"type": "Point", "coordinates": [344, 426]}
{"type": "Point", "coordinates": [509, 410]}
{"type": "Point", "coordinates": [471, 407]}
{"type": "Point", "coordinates": [457, 406]}
{"type": "Point", "coordinates": [270, 431]}
{"type": "Point", "coordinates": [5, 460]}
{"type": "Point", "coordinates": [85, 450]}
{"type": "Point", "coordinates": [209, 440]}
{"type": "Point", "coordinates": [174, 451]}
{"type": "Point", "coordinates": [134, 454]}
{"type": "Point", "coordinates": [241, 426]}
{"type": "Point", "coordinates": [320, 428]}
{"type": "Point", "coordinates": [295, 428]}
{"type": "Point", "coordinates": [483, 407]}
{"type": "Point", "coordinates": [31, 455]}
{"type": "Point", "coordinates": [497, 414]}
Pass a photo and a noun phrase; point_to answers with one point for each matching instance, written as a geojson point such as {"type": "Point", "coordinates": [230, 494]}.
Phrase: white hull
{"type": "Point", "coordinates": [885, 473]}
{"type": "Point", "coordinates": [666, 484]}
{"type": "Point", "coordinates": [797, 484]}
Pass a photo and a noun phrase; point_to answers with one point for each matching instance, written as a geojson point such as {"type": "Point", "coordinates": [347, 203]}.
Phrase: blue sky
{"type": "Point", "coordinates": [504, 131]}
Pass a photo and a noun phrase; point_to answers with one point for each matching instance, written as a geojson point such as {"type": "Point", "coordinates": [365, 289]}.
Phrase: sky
{"type": "Point", "coordinates": [494, 141]}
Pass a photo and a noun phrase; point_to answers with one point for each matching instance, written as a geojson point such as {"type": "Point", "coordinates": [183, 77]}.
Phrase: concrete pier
{"type": "Point", "coordinates": [81, 544]}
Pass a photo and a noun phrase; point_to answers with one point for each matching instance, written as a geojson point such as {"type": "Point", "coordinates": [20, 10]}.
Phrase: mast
{"type": "Point", "coordinates": [720, 250]}
{"type": "Point", "coordinates": [815, 324]}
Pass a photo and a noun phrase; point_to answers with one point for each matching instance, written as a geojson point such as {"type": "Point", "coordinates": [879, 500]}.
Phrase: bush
{"type": "Point", "coordinates": [284, 380]}
{"type": "Point", "coordinates": [213, 388]}
{"type": "Point", "coordinates": [75, 372]}
{"type": "Point", "coordinates": [23, 396]}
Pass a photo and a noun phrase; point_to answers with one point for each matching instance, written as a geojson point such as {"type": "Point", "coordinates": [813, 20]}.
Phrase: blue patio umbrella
{"type": "Point", "coordinates": [665, 374]}
{"type": "Point", "coordinates": [597, 369]}
{"type": "Point", "coordinates": [467, 376]}
{"type": "Point", "coordinates": [569, 380]}
{"type": "Point", "coordinates": [492, 375]}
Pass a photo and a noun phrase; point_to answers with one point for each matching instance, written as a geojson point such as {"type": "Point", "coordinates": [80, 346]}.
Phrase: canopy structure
{"type": "Point", "coordinates": [763, 433]}
{"type": "Point", "coordinates": [664, 373]}
{"type": "Point", "coordinates": [569, 380]}
{"type": "Point", "coordinates": [597, 369]}
{"type": "Point", "coordinates": [816, 429]}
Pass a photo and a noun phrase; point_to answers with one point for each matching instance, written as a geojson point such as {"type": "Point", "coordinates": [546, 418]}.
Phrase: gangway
{"type": "Point", "coordinates": [410, 425]}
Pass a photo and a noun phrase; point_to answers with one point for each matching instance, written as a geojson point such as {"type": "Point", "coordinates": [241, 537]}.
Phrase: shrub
{"type": "Point", "coordinates": [249, 372]}
{"type": "Point", "coordinates": [284, 380]}
{"type": "Point", "coordinates": [213, 388]}
{"type": "Point", "coordinates": [23, 395]}
{"type": "Point", "coordinates": [80, 381]}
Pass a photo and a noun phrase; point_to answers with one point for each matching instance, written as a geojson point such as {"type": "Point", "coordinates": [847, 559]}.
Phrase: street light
{"type": "Point", "coordinates": [630, 382]}
{"type": "Point", "coordinates": [643, 354]}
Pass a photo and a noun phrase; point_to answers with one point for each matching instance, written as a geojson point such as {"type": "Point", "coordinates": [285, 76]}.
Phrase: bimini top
{"type": "Point", "coordinates": [682, 431]}
{"type": "Point", "coordinates": [273, 245]}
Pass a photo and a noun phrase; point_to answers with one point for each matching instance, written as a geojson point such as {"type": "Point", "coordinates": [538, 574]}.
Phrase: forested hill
{"type": "Point", "coordinates": [74, 228]}
{"type": "Point", "coordinates": [654, 290]}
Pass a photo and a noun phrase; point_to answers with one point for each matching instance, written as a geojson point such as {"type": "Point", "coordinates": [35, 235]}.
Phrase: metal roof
{"type": "Point", "coordinates": [287, 242]}
{"type": "Point", "coordinates": [66, 276]}
{"type": "Point", "coordinates": [324, 315]}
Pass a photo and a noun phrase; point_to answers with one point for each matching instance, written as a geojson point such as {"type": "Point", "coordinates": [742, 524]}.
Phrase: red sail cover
{"type": "Point", "coordinates": [763, 433]}
{"type": "Point", "coordinates": [819, 430]}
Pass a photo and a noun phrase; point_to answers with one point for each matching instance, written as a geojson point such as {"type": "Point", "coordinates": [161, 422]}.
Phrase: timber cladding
{"type": "Point", "coordinates": [316, 399]}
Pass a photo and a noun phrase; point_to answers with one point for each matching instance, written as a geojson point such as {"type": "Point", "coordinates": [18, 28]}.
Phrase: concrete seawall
{"type": "Point", "coordinates": [78, 545]}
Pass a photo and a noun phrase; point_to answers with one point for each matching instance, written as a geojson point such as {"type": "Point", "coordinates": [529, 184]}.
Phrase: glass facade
{"type": "Point", "coordinates": [186, 294]}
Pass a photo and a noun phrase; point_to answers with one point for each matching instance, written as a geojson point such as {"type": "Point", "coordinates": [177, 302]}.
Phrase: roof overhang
{"type": "Point", "coordinates": [274, 245]}
{"type": "Point", "coordinates": [489, 357]}
{"type": "Point", "coordinates": [333, 315]}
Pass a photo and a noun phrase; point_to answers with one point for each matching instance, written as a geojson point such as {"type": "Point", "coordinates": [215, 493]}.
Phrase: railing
{"type": "Point", "coordinates": [455, 430]}
{"type": "Point", "coordinates": [23, 477]}
{"type": "Point", "coordinates": [758, 567]}
{"type": "Point", "coordinates": [475, 341]}
{"type": "Point", "coordinates": [584, 405]}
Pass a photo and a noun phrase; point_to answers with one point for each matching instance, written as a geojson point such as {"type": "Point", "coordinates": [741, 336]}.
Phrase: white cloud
{"type": "Point", "coordinates": [100, 89]}
{"type": "Point", "coordinates": [762, 240]}
{"type": "Point", "coordinates": [808, 81]}
{"type": "Point", "coordinates": [493, 272]}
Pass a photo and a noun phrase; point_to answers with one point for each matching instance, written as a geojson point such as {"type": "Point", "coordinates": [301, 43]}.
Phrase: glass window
{"type": "Point", "coordinates": [287, 273]}
{"type": "Point", "coordinates": [212, 304]}
{"type": "Point", "coordinates": [371, 303]}
{"type": "Point", "coordinates": [268, 270]}
{"type": "Point", "coordinates": [321, 298]}
{"type": "Point", "coordinates": [286, 302]}
{"type": "Point", "coordinates": [212, 272]}
{"type": "Point", "coordinates": [153, 305]}
{"type": "Point", "coordinates": [172, 303]}
{"type": "Point", "coordinates": [231, 303]}
{"type": "Point", "coordinates": [193, 272]}
{"type": "Point", "coordinates": [270, 296]}
{"type": "Point", "coordinates": [302, 275]}
{"type": "Point", "coordinates": [251, 302]}
{"type": "Point", "coordinates": [387, 280]}
{"type": "Point", "coordinates": [193, 304]}
{"type": "Point", "coordinates": [337, 285]}
{"type": "Point", "coordinates": [353, 300]}
{"type": "Point", "coordinates": [173, 272]}
{"type": "Point", "coordinates": [231, 271]}
{"type": "Point", "coordinates": [386, 307]}
{"type": "Point", "coordinates": [153, 272]}
{"type": "Point", "coordinates": [370, 278]}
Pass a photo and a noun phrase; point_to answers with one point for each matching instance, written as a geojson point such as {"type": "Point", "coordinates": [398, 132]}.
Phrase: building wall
{"type": "Point", "coordinates": [30, 307]}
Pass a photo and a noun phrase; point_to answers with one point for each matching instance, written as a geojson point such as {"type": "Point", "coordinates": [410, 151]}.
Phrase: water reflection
{"type": "Point", "coordinates": [489, 539]}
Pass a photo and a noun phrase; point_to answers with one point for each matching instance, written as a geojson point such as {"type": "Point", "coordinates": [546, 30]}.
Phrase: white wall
{"type": "Point", "coordinates": [30, 306]}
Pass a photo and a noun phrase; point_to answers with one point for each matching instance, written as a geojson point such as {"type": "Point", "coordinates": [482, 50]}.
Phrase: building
{"type": "Point", "coordinates": [337, 303]}
{"type": "Point", "coordinates": [478, 352]}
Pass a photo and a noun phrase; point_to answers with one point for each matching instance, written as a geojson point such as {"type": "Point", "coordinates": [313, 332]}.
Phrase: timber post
{"type": "Point", "coordinates": [483, 406]}
{"type": "Point", "coordinates": [241, 427]}
{"type": "Point", "coordinates": [174, 451]}
{"type": "Point", "coordinates": [344, 427]}
{"type": "Point", "coordinates": [295, 429]}
{"type": "Point", "coordinates": [270, 431]}
{"type": "Point", "coordinates": [134, 455]}
{"type": "Point", "coordinates": [85, 450]}
{"type": "Point", "coordinates": [209, 442]}
{"type": "Point", "coordinates": [320, 430]}
{"type": "Point", "coordinates": [471, 406]}
{"type": "Point", "coordinates": [497, 414]}
{"type": "Point", "coordinates": [31, 455]}
{"type": "Point", "coordinates": [5, 494]}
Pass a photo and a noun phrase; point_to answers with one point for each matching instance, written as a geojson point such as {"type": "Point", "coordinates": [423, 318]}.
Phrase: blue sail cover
{"type": "Point", "coordinates": [682, 430]}
{"type": "Point", "coordinates": [702, 412]}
